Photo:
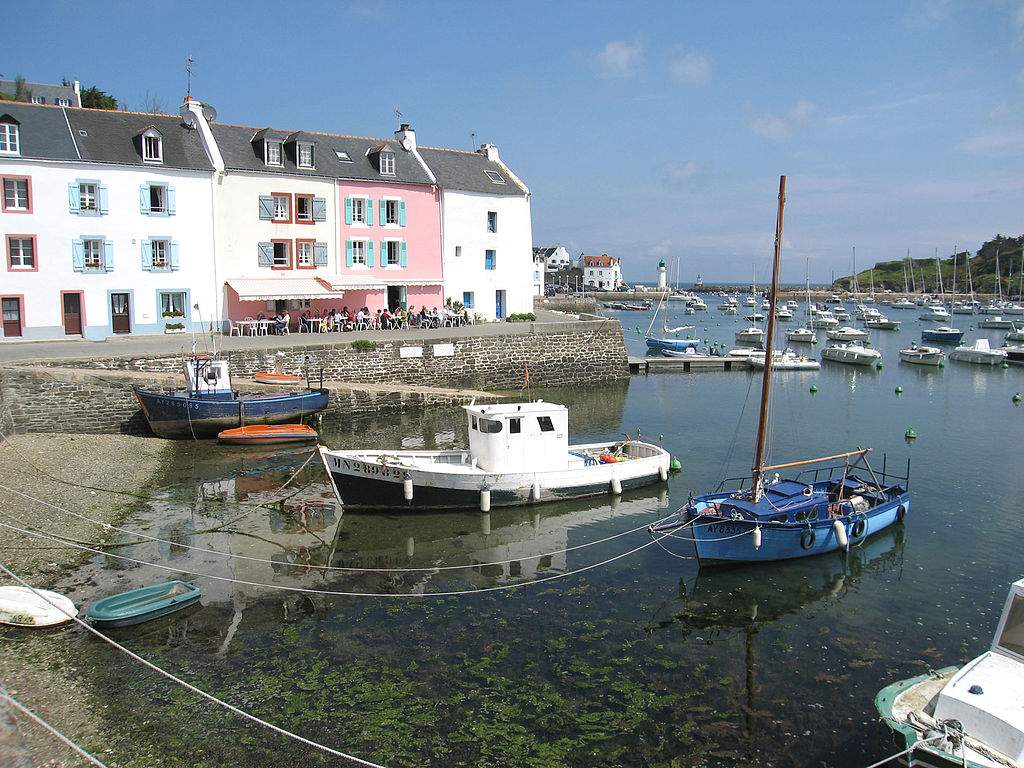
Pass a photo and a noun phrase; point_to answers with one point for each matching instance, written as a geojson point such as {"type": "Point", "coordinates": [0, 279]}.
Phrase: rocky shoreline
{"type": "Point", "coordinates": [43, 477]}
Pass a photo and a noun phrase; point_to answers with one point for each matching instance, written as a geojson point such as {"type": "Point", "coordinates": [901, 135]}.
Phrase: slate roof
{"type": "Point", "coordinates": [43, 131]}
{"type": "Point", "coordinates": [106, 136]}
{"type": "Point", "coordinates": [241, 152]}
{"type": "Point", "coordinates": [49, 92]}
{"type": "Point", "coordinates": [465, 171]}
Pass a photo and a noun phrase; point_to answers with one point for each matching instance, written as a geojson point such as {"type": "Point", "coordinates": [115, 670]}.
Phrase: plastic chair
{"type": "Point", "coordinates": [236, 329]}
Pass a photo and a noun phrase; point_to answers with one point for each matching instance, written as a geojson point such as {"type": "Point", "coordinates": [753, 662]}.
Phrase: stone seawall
{"type": "Point", "coordinates": [94, 394]}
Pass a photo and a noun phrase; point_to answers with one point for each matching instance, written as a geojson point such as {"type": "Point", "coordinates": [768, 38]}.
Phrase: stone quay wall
{"type": "Point", "coordinates": [94, 394]}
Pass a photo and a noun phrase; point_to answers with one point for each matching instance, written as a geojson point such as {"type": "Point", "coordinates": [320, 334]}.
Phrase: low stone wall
{"type": "Point", "coordinates": [95, 394]}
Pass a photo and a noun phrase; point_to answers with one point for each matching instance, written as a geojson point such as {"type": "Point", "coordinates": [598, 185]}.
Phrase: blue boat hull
{"type": "Point", "coordinates": [653, 343]}
{"type": "Point", "coordinates": [144, 604]}
{"type": "Point", "coordinates": [939, 336]}
{"type": "Point", "coordinates": [181, 415]}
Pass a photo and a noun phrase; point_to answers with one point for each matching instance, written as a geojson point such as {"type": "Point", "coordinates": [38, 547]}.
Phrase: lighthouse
{"type": "Point", "coordinates": [662, 282]}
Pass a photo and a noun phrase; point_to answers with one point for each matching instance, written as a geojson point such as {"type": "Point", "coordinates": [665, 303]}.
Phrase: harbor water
{"type": "Point", "coordinates": [563, 634]}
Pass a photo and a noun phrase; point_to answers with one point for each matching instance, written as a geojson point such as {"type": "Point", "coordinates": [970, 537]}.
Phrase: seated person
{"type": "Point", "coordinates": [281, 322]}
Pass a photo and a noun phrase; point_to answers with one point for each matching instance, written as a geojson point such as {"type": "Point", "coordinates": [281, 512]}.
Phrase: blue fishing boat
{"type": "Point", "coordinates": [820, 510]}
{"type": "Point", "coordinates": [669, 338]}
{"type": "Point", "coordinates": [209, 405]}
{"type": "Point", "coordinates": [143, 604]}
{"type": "Point", "coordinates": [942, 333]}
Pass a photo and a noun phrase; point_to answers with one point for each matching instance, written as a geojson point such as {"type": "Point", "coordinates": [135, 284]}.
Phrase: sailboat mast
{"type": "Point", "coordinates": [767, 376]}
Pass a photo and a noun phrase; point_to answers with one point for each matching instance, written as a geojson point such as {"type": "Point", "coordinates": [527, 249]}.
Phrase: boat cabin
{"type": "Point", "coordinates": [790, 501]}
{"type": "Point", "coordinates": [207, 377]}
{"type": "Point", "coordinates": [519, 437]}
{"type": "Point", "coordinates": [985, 694]}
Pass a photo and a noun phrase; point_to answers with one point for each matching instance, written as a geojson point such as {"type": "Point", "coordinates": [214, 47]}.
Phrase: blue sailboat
{"type": "Point", "coordinates": [819, 510]}
{"type": "Point", "coordinates": [665, 341]}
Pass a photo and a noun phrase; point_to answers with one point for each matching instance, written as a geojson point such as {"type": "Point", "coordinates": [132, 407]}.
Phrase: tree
{"type": "Point", "coordinates": [94, 98]}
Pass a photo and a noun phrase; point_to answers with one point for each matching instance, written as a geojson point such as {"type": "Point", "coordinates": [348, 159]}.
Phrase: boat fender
{"type": "Point", "coordinates": [757, 537]}
{"type": "Point", "coordinates": [535, 491]}
{"type": "Point", "coordinates": [616, 486]}
{"type": "Point", "coordinates": [858, 528]}
{"type": "Point", "coordinates": [485, 499]}
{"type": "Point", "coordinates": [607, 458]}
{"type": "Point", "coordinates": [841, 538]}
{"type": "Point", "coordinates": [662, 473]}
{"type": "Point", "coordinates": [407, 486]}
{"type": "Point", "coordinates": [901, 512]}
{"type": "Point", "coordinates": [807, 540]}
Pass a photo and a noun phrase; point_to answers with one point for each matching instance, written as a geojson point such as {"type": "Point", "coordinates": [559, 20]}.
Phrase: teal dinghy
{"type": "Point", "coordinates": [143, 604]}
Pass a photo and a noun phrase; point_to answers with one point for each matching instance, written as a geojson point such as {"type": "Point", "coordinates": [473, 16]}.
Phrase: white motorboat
{"type": "Point", "coordinates": [519, 453]}
{"type": "Point", "coordinates": [969, 717]}
{"type": "Point", "coordinates": [979, 352]}
{"type": "Point", "coordinates": [783, 313]}
{"type": "Point", "coordinates": [1016, 334]}
{"type": "Point", "coordinates": [880, 322]}
{"type": "Point", "coordinates": [995, 321]}
{"type": "Point", "coordinates": [935, 312]}
{"type": "Point", "coordinates": [750, 334]}
{"type": "Point", "coordinates": [922, 355]}
{"type": "Point", "coordinates": [754, 317]}
{"type": "Point", "coordinates": [801, 336]}
{"type": "Point", "coordinates": [903, 303]}
{"type": "Point", "coordinates": [854, 354]}
{"type": "Point", "coordinates": [846, 333]}
{"type": "Point", "coordinates": [824, 319]}
{"type": "Point", "coordinates": [784, 360]}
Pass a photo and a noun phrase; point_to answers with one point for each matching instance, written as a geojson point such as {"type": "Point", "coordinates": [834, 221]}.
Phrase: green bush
{"type": "Point", "coordinates": [364, 345]}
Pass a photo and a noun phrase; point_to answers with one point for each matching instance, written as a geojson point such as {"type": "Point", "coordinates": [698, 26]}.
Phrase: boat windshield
{"type": "Point", "coordinates": [1011, 638]}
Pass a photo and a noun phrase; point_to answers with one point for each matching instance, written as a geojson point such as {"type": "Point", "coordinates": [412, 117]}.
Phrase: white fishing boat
{"type": "Point", "coordinates": [935, 312]}
{"type": "Point", "coordinates": [801, 336]}
{"type": "Point", "coordinates": [784, 360]}
{"type": "Point", "coordinates": [519, 453]}
{"type": "Point", "coordinates": [922, 355]}
{"type": "Point", "coordinates": [967, 717]}
{"type": "Point", "coordinates": [979, 353]}
{"type": "Point", "coordinates": [750, 334]}
{"type": "Point", "coordinates": [879, 322]}
{"type": "Point", "coordinates": [846, 333]}
{"type": "Point", "coordinates": [854, 354]}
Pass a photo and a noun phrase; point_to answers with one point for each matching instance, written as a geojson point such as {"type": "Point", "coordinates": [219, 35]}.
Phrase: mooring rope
{"type": "Point", "coordinates": [32, 715]}
{"type": "Point", "coordinates": [209, 696]}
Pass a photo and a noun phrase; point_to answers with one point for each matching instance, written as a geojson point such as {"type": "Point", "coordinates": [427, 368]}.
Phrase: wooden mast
{"type": "Point", "coordinates": [766, 377]}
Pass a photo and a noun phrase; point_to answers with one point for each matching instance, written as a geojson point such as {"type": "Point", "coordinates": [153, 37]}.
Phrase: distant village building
{"type": "Point", "coordinates": [41, 93]}
{"type": "Point", "coordinates": [556, 257]}
{"type": "Point", "coordinates": [601, 273]}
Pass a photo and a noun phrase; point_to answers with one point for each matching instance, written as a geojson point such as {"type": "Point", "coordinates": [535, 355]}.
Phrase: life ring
{"type": "Point", "coordinates": [807, 540]}
{"type": "Point", "coordinates": [807, 491]}
{"type": "Point", "coordinates": [901, 512]}
{"type": "Point", "coordinates": [858, 528]}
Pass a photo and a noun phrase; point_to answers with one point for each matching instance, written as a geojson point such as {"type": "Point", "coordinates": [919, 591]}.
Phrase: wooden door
{"type": "Point", "coordinates": [72, 313]}
{"type": "Point", "coordinates": [11, 309]}
{"type": "Point", "coordinates": [120, 309]}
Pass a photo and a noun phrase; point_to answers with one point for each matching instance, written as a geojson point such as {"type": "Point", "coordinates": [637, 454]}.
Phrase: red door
{"type": "Point", "coordinates": [11, 309]}
{"type": "Point", "coordinates": [72, 314]}
{"type": "Point", "coordinates": [120, 308]}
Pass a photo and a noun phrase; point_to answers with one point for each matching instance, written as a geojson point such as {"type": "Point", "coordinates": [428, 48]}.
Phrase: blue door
{"type": "Point", "coordinates": [499, 304]}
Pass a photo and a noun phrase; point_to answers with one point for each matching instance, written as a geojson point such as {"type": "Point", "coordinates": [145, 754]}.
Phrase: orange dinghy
{"type": "Point", "coordinates": [264, 434]}
{"type": "Point", "coordinates": [276, 378]}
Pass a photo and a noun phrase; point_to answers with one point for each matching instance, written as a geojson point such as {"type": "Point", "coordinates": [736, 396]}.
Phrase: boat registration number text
{"type": "Point", "coordinates": [726, 528]}
{"type": "Point", "coordinates": [378, 470]}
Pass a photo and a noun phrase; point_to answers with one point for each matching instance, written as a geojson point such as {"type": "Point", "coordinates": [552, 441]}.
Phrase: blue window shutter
{"type": "Point", "coordinates": [174, 254]}
{"type": "Point", "coordinates": [383, 212]}
{"type": "Point", "coordinates": [108, 256]}
{"type": "Point", "coordinates": [369, 211]}
{"type": "Point", "coordinates": [74, 201]}
{"type": "Point", "coordinates": [78, 255]}
{"type": "Point", "coordinates": [171, 201]}
{"type": "Point", "coordinates": [402, 257]}
{"type": "Point", "coordinates": [348, 253]}
{"type": "Point", "coordinates": [319, 209]}
{"type": "Point", "coordinates": [401, 213]}
{"type": "Point", "coordinates": [144, 199]}
{"type": "Point", "coordinates": [369, 253]}
{"type": "Point", "coordinates": [348, 210]}
{"type": "Point", "coordinates": [147, 254]}
{"type": "Point", "coordinates": [266, 207]}
{"type": "Point", "coordinates": [104, 206]}
{"type": "Point", "coordinates": [266, 254]}
{"type": "Point", "coordinates": [320, 254]}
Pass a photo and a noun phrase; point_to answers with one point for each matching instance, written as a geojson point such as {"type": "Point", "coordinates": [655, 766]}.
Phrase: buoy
{"type": "Point", "coordinates": [674, 465]}
{"type": "Point", "coordinates": [757, 537]}
{"type": "Point", "coordinates": [485, 499]}
{"type": "Point", "coordinates": [1005, 365]}
{"type": "Point", "coordinates": [616, 486]}
{"type": "Point", "coordinates": [1017, 397]}
{"type": "Point", "coordinates": [878, 365]}
{"type": "Point", "coordinates": [814, 388]}
{"type": "Point", "coordinates": [407, 486]}
{"type": "Point", "coordinates": [535, 491]}
{"type": "Point", "coordinates": [840, 530]}
{"type": "Point", "coordinates": [942, 363]}
{"type": "Point", "coordinates": [910, 434]}
{"type": "Point", "coordinates": [899, 390]}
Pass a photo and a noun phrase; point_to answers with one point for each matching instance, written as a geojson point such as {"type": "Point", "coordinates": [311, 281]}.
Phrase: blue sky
{"type": "Point", "coordinates": [646, 131]}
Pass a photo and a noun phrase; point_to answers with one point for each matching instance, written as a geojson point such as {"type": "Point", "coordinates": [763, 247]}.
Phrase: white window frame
{"type": "Point", "coordinates": [273, 153]}
{"type": "Point", "coordinates": [304, 154]}
{"type": "Point", "coordinates": [89, 191]}
{"type": "Point", "coordinates": [152, 147]}
{"type": "Point", "coordinates": [285, 246]}
{"type": "Point", "coordinates": [392, 210]}
{"type": "Point", "coordinates": [92, 254]}
{"type": "Point", "coordinates": [359, 253]}
{"type": "Point", "coordinates": [387, 163]}
{"type": "Point", "coordinates": [16, 201]}
{"type": "Point", "coordinates": [9, 144]}
{"type": "Point", "coordinates": [282, 207]}
{"type": "Point", "coordinates": [308, 215]}
{"type": "Point", "coordinates": [172, 301]}
{"type": "Point", "coordinates": [304, 254]}
{"type": "Point", "coordinates": [160, 198]}
{"type": "Point", "coordinates": [492, 221]}
{"type": "Point", "coordinates": [16, 252]}
{"type": "Point", "coordinates": [392, 255]}
{"type": "Point", "coordinates": [359, 205]}
{"type": "Point", "coordinates": [161, 254]}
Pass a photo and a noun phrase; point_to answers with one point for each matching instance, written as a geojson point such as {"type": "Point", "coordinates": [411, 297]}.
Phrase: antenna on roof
{"type": "Point", "coordinates": [188, 85]}
{"type": "Point", "coordinates": [472, 141]}
{"type": "Point", "coordinates": [398, 114]}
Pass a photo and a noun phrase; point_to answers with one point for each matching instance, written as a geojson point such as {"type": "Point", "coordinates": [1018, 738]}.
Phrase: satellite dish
{"type": "Point", "coordinates": [209, 113]}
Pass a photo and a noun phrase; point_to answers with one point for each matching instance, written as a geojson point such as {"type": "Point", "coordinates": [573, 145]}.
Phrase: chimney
{"type": "Point", "coordinates": [406, 136]}
{"type": "Point", "coordinates": [490, 152]}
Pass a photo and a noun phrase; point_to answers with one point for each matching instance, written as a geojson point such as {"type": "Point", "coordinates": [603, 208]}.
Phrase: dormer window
{"type": "Point", "coordinates": [304, 155]}
{"type": "Point", "coordinates": [152, 146]}
{"type": "Point", "coordinates": [387, 163]}
{"type": "Point", "coordinates": [272, 152]}
{"type": "Point", "coordinates": [9, 139]}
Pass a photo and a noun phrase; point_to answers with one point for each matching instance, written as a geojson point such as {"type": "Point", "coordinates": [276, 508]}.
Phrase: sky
{"type": "Point", "coordinates": [648, 131]}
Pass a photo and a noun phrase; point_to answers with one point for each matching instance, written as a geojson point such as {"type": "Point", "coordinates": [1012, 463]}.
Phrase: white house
{"type": "Point", "coordinates": [556, 257]}
{"type": "Point", "coordinates": [601, 273]}
{"type": "Point", "coordinates": [487, 238]}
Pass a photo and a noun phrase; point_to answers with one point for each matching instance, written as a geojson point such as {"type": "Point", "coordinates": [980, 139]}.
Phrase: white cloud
{"type": "Point", "coordinates": [619, 59]}
{"type": "Point", "coordinates": [996, 144]}
{"type": "Point", "coordinates": [680, 173]}
{"type": "Point", "coordinates": [779, 127]}
{"type": "Point", "coordinates": [932, 13]}
{"type": "Point", "coordinates": [689, 67]}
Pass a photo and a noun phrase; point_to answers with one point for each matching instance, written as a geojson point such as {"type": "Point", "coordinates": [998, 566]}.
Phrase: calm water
{"type": "Point", "coordinates": [642, 661]}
